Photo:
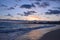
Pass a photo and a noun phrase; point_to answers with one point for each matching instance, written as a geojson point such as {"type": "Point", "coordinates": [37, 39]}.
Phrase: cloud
{"type": "Point", "coordinates": [20, 14]}
{"type": "Point", "coordinates": [11, 8]}
{"type": "Point", "coordinates": [53, 12]}
{"type": "Point", "coordinates": [3, 5]}
{"type": "Point", "coordinates": [9, 15]}
{"type": "Point", "coordinates": [37, 3]}
{"type": "Point", "coordinates": [29, 13]}
{"type": "Point", "coordinates": [28, 6]}
{"type": "Point", "coordinates": [44, 4]}
{"type": "Point", "coordinates": [54, 0]}
{"type": "Point", "coordinates": [17, 0]}
{"type": "Point", "coordinates": [38, 0]}
{"type": "Point", "coordinates": [35, 0]}
{"type": "Point", "coordinates": [56, 7]}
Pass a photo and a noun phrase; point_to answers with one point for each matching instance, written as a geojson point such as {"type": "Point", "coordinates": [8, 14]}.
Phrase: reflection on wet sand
{"type": "Point", "coordinates": [36, 34]}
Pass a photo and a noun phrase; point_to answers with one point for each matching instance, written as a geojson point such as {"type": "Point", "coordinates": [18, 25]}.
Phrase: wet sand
{"type": "Point", "coordinates": [37, 34]}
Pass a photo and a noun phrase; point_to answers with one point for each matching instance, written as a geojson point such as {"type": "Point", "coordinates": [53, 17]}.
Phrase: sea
{"type": "Point", "coordinates": [16, 31]}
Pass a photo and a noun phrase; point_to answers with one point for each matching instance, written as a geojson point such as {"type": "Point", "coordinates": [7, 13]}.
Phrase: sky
{"type": "Point", "coordinates": [47, 10]}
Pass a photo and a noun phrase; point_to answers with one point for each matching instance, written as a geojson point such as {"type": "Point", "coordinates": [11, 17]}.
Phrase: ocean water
{"type": "Point", "coordinates": [14, 31]}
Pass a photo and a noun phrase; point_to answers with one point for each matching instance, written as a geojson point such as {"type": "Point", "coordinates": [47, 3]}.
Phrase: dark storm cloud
{"type": "Point", "coordinates": [10, 8]}
{"type": "Point", "coordinates": [44, 4]}
{"type": "Point", "coordinates": [53, 12]}
{"type": "Point", "coordinates": [28, 6]}
{"type": "Point", "coordinates": [29, 13]}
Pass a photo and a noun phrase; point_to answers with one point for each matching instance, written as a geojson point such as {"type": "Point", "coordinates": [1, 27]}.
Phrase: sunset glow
{"type": "Point", "coordinates": [35, 18]}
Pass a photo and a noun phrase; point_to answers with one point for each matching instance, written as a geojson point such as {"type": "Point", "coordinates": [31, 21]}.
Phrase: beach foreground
{"type": "Point", "coordinates": [30, 32]}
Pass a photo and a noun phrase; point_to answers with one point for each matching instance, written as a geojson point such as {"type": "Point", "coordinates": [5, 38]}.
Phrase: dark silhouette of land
{"type": "Point", "coordinates": [29, 22]}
